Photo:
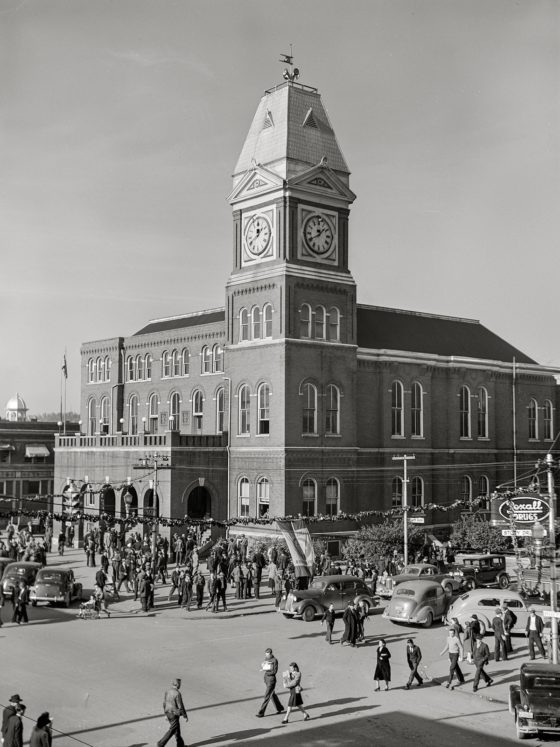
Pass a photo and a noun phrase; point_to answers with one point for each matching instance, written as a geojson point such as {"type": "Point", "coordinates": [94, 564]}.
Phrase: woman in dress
{"type": "Point", "coordinates": [383, 668]}
{"type": "Point", "coordinates": [41, 735]}
{"type": "Point", "coordinates": [293, 682]}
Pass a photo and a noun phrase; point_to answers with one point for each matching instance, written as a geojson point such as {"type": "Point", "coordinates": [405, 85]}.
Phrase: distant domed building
{"type": "Point", "coordinates": [16, 409]}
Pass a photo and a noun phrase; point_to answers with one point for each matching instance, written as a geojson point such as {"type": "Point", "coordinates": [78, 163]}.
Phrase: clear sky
{"type": "Point", "coordinates": [121, 122]}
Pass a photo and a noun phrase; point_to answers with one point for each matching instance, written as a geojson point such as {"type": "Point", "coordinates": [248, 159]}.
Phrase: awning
{"type": "Point", "coordinates": [36, 451]}
{"type": "Point", "coordinates": [7, 447]}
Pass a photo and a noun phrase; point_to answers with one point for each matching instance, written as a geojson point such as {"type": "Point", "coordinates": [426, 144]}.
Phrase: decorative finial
{"type": "Point", "coordinates": [288, 59]}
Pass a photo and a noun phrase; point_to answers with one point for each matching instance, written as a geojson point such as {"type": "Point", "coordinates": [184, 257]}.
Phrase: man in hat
{"type": "Point", "coordinates": [533, 631]}
{"type": "Point", "coordinates": [510, 618]}
{"type": "Point", "coordinates": [481, 654]}
{"type": "Point", "coordinates": [413, 658]}
{"type": "Point", "coordinates": [173, 708]}
{"type": "Point", "coordinates": [8, 712]}
{"type": "Point", "coordinates": [13, 735]}
{"type": "Point", "coordinates": [270, 669]}
{"type": "Point", "coordinates": [499, 636]}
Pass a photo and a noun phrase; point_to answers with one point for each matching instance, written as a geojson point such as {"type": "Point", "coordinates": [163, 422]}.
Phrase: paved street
{"type": "Point", "coordinates": [103, 680]}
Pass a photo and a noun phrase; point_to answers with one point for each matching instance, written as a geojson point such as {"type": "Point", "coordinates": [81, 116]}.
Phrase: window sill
{"type": "Point", "coordinates": [483, 438]}
{"type": "Point", "coordinates": [418, 438]}
{"type": "Point", "coordinates": [310, 435]}
{"type": "Point", "coordinates": [398, 438]}
{"type": "Point", "coordinates": [243, 435]}
{"type": "Point", "coordinates": [263, 435]}
{"type": "Point", "coordinates": [465, 438]}
{"type": "Point", "coordinates": [333, 435]}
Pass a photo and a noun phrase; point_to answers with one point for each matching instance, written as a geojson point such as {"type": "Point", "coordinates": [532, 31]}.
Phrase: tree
{"type": "Point", "coordinates": [381, 540]}
{"type": "Point", "coordinates": [475, 533]}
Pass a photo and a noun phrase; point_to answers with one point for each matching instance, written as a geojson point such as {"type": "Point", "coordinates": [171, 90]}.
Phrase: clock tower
{"type": "Point", "coordinates": [290, 298]}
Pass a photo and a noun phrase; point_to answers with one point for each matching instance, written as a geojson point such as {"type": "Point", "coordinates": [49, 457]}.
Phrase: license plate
{"type": "Point", "coordinates": [526, 714]}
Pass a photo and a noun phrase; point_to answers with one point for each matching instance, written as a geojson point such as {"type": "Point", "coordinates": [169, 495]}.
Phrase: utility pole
{"type": "Point", "coordinates": [155, 462]}
{"type": "Point", "coordinates": [405, 458]}
{"type": "Point", "coordinates": [552, 540]}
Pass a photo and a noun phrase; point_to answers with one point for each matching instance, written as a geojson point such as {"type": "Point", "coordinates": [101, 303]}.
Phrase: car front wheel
{"type": "Point", "coordinates": [429, 620]}
{"type": "Point", "coordinates": [503, 581]}
{"type": "Point", "coordinates": [470, 584]}
{"type": "Point", "coordinates": [308, 614]}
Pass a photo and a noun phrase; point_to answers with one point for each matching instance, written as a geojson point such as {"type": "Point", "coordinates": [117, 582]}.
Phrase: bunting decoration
{"type": "Point", "coordinates": [300, 546]}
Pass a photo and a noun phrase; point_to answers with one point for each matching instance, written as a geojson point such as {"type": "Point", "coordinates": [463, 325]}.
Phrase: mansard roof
{"type": "Point", "coordinates": [195, 319]}
{"type": "Point", "coordinates": [290, 132]}
{"type": "Point", "coordinates": [381, 328]}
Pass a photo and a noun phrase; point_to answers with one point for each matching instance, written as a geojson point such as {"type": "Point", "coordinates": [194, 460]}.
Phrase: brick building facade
{"type": "Point", "coordinates": [292, 397]}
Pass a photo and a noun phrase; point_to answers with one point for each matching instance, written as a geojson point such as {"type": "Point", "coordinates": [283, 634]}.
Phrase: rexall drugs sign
{"type": "Point", "coordinates": [525, 509]}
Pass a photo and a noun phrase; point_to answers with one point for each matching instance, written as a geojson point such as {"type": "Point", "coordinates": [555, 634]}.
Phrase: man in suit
{"type": "Point", "coordinates": [481, 654]}
{"type": "Point", "coordinates": [270, 669]}
{"type": "Point", "coordinates": [533, 631]}
{"type": "Point", "coordinates": [510, 618]}
{"type": "Point", "coordinates": [173, 708]}
{"type": "Point", "coordinates": [499, 636]}
{"type": "Point", "coordinates": [413, 658]}
{"type": "Point", "coordinates": [328, 618]}
{"type": "Point", "coordinates": [8, 712]}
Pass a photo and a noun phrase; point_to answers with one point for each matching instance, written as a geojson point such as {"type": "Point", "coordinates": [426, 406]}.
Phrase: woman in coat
{"type": "Point", "coordinates": [383, 668]}
{"type": "Point", "coordinates": [293, 682]}
{"type": "Point", "coordinates": [41, 736]}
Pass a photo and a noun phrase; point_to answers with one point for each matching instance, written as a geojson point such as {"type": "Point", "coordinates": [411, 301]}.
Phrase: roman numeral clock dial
{"type": "Point", "coordinates": [318, 237]}
{"type": "Point", "coordinates": [258, 235]}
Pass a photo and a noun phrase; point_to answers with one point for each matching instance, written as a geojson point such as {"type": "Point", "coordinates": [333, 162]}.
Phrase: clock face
{"type": "Point", "coordinates": [258, 235]}
{"type": "Point", "coordinates": [318, 234]}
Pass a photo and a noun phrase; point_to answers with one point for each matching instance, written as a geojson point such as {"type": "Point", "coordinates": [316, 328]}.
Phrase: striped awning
{"type": "Point", "coordinates": [36, 451]}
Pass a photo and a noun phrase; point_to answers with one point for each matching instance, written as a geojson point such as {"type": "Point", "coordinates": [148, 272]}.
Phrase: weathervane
{"type": "Point", "coordinates": [288, 59]}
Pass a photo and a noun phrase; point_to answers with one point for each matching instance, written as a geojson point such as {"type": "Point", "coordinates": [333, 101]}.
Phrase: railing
{"type": "Point", "coordinates": [168, 439]}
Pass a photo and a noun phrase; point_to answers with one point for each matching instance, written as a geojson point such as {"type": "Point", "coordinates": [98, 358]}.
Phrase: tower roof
{"type": "Point", "coordinates": [290, 132]}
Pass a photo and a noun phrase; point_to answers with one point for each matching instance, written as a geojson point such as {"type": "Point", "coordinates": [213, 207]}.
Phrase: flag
{"type": "Point", "coordinates": [299, 544]}
{"type": "Point", "coordinates": [65, 367]}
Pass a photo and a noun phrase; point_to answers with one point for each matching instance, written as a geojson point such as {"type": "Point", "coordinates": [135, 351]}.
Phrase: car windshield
{"type": "Point", "coordinates": [404, 593]}
{"type": "Point", "coordinates": [472, 563]}
{"type": "Point", "coordinates": [50, 577]}
{"type": "Point", "coordinates": [542, 682]}
{"type": "Point", "coordinates": [317, 584]}
{"type": "Point", "coordinates": [13, 572]}
{"type": "Point", "coordinates": [412, 570]}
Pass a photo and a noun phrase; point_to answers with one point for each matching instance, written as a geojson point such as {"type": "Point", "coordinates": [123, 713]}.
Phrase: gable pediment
{"type": "Point", "coordinates": [322, 180]}
{"type": "Point", "coordinates": [255, 182]}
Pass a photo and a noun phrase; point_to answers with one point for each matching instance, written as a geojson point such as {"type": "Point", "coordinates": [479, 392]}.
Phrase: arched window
{"type": "Point", "coordinates": [466, 489]}
{"type": "Point", "coordinates": [482, 414]}
{"type": "Point", "coordinates": [309, 497]}
{"type": "Point", "coordinates": [174, 412]}
{"type": "Point", "coordinates": [92, 417]}
{"type": "Point", "coordinates": [243, 325]}
{"type": "Point", "coordinates": [153, 413]}
{"type": "Point", "coordinates": [332, 506]}
{"type": "Point", "coordinates": [309, 425]}
{"type": "Point", "coordinates": [107, 368]}
{"type": "Point", "coordinates": [91, 371]}
{"type": "Point", "coordinates": [220, 410]}
{"type": "Point", "coordinates": [417, 410]}
{"type": "Point", "coordinates": [417, 492]}
{"type": "Point", "coordinates": [464, 412]}
{"type": "Point", "coordinates": [397, 492]}
{"type": "Point", "coordinates": [206, 359]}
{"type": "Point", "coordinates": [320, 323]}
{"type": "Point", "coordinates": [334, 324]}
{"type": "Point", "coordinates": [197, 411]}
{"type": "Point", "coordinates": [133, 415]}
{"type": "Point", "coordinates": [244, 419]}
{"type": "Point", "coordinates": [332, 425]}
{"type": "Point", "coordinates": [176, 363]}
{"type": "Point", "coordinates": [267, 320]}
{"type": "Point", "coordinates": [104, 415]}
{"type": "Point", "coordinates": [263, 405]}
{"type": "Point", "coordinates": [484, 492]}
{"type": "Point", "coordinates": [140, 367]}
{"type": "Point", "coordinates": [263, 496]}
{"type": "Point", "coordinates": [148, 361]}
{"type": "Point", "coordinates": [397, 414]}
{"type": "Point", "coordinates": [243, 496]}
{"type": "Point", "coordinates": [305, 321]}
{"type": "Point", "coordinates": [186, 361]}
{"type": "Point", "coordinates": [166, 364]}
{"type": "Point", "coordinates": [256, 322]}
{"type": "Point", "coordinates": [131, 368]}
{"type": "Point", "coordinates": [533, 412]}
{"type": "Point", "coordinates": [548, 423]}
{"type": "Point", "coordinates": [218, 356]}
{"type": "Point", "coordinates": [100, 365]}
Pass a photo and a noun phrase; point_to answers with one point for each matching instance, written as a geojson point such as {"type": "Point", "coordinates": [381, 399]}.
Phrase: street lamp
{"type": "Point", "coordinates": [538, 533]}
{"type": "Point", "coordinates": [155, 462]}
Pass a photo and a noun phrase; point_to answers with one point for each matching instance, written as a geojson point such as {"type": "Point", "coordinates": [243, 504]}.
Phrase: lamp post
{"type": "Point", "coordinates": [155, 462]}
{"type": "Point", "coordinates": [552, 546]}
{"type": "Point", "coordinates": [404, 459]}
{"type": "Point", "coordinates": [127, 498]}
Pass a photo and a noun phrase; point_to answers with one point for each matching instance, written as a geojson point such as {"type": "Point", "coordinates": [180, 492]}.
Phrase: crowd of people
{"type": "Point", "coordinates": [12, 726]}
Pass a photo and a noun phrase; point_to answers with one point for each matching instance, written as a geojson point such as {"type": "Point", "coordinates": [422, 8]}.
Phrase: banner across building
{"type": "Point", "coordinates": [298, 539]}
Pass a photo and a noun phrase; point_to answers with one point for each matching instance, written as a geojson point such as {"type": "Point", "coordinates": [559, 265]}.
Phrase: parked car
{"type": "Point", "coordinates": [483, 570]}
{"type": "Point", "coordinates": [417, 602]}
{"type": "Point", "coordinates": [15, 572]}
{"type": "Point", "coordinates": [3, 563]}
{"type": "Point", "coordinates": [326, 590]}
{"type": "Point", "coordinates": [535, 701]}
{"type": "Point", "coordinates": [55, 585]}
{"type": "Point", "coordinates": [428, 572]}
{"type": "Point", "coordinates": [484, 603]}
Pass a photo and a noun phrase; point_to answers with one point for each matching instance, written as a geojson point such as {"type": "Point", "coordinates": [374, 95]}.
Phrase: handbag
{"type": "Point", "coordinates": [298, 688]}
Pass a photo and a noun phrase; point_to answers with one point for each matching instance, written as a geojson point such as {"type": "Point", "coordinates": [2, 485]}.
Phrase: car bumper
{"type": "Point", "coordinates": [47, 598]}
{"type": "Point", "coordinates": [531, 724]}
{"type": "Point", "coordinates": [411, 620]}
